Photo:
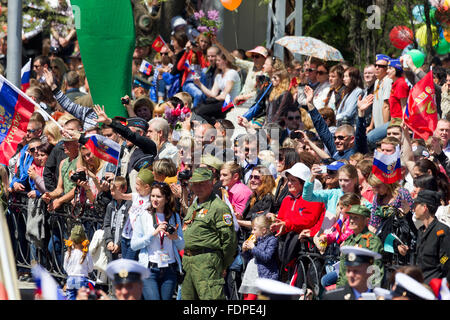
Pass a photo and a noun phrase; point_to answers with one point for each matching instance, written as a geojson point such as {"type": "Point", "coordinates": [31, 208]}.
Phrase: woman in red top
{"type": "Point", "coordinates": [295, 214]}
{"type": "Point", "coordinates": [400, 89]}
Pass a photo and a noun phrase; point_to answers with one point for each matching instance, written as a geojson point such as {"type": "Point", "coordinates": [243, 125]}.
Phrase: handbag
{"type": "Point", "coordinates": [256, 107]}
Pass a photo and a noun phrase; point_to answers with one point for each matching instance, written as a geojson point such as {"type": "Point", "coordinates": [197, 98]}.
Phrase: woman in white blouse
{"type": "Point", "coordinates": [227, 85]}
{"type": "Point", "coordinates": [158, 236]}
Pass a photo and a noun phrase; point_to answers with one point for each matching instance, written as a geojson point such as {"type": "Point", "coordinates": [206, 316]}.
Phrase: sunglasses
{"type": "Point", "coordinates": [255, 177]}
{"type": "Point", "coordinates": [164, 54]}
{"type": "Point", "coordinates": [36, 66]}
{"type": "Point", "coordinates": [310, 70]}
{"type": "Point", "coordinates": [380, 66]}
{"type": "Point", "coordinates": [322, 73]}
{"type": "Point", "coordinates": [32, 130]}
{"type": "Point", "coordinates": [339, 138]}
{"type": "Point", "coordinates": [161, 184]}
{"type": "Point", "coordinates": [33, 150]}
{"type": "Point", "coordinates": [294, 118]}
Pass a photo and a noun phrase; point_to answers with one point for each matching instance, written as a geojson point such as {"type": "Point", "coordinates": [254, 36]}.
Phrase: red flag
{"type": "Point", "coordinates": [421, 112]}
{"type": "Point", "coordinates": [158, 44]}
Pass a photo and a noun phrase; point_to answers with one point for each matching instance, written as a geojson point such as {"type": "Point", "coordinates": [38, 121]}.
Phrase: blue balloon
{"type": "Point", "coordinates": [418, 13]}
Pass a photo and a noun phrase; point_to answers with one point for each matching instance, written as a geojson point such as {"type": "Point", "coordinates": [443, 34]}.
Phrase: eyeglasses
{"type": "Point", "coordinates": [310, 70]}
{"type": "Point", "coordinates": [255, 177]}
{"type": "Point", "coordinates": [380, 66]}
{"type": "Point", "coordinates": [294, 118]}
{"type": "Point", "coordinates": [256, 56]}
{"type": "Point", "coordinates": [32, 130]}
{"type": "Point", "coordinates": [339, 137]}
{"type": "Point", "coordinates": [322, 73]}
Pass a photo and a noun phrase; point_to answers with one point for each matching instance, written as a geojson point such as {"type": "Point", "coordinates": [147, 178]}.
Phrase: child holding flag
{"type": "Point", "coordinates": [77, 261]}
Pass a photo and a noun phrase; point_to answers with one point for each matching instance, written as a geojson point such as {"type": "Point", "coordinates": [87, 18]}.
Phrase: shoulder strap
{"type": "Point", "coordinates": [264, 94]}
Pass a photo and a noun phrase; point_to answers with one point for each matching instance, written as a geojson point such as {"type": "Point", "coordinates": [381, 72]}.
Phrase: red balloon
{"type": "Point", "coordinates": [401, 37]}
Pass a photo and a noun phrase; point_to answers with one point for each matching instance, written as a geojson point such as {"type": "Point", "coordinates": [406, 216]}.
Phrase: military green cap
{"type": "Point", "coordinates": [395, 122]}
{"type": "Point", "coordinates": [146, 176]}
{"type": "Point", "coordinates": [211, 161]}
{"type": "Point", "coordinates": [360, 210]}
{"type": "Point", "coordinates": [200, 175]}
{"type": "Point", "coordinates": [77, 234]}
{"type": "Point", "coordinates": [143, 41]}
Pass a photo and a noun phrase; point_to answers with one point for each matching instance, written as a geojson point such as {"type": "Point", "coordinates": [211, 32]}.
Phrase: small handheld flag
{"type": "Point", "coordinates": [104, 148]}
{"type": "Point", "coordinates": [25, 76]}
{"type": "Point", "coordinates": [227, 103]}
{"type": "Point", "coordinates": [145, 68]}
{"type": "Point", "coordinates": [158, 44]}
{"type": "Point", "coordinates": [387, 168]}
{"type": "Point", "coordinates": [46, 286]}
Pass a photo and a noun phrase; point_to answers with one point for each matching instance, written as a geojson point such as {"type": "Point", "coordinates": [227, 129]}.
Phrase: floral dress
{"type": "Point", "coordinates": [403, 194]}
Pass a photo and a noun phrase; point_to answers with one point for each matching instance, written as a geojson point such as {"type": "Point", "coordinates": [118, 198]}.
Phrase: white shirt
{"type": "Point", "coordinates": [73, 266]}
{"type": "Point", "coordinates": [155, 243]}
{"type": "Point", "coordinates": [140, 204]}
{"type": "Point", "coordinates": [320, 95]}
{"type": "Point", "coordinates": [383, 93]}
{"type": "Point", "coordinates": [230, 75]}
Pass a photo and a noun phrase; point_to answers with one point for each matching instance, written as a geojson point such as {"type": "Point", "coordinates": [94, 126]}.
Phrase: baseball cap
{"type": "Point", "coordinates": [334, 166]}
{"type": "Point", "coordinates": [359, 210]}
{"type": "Point", "coordinates": [137, 123]}
{"type": "Point", "coordinates": [428, 197]}
{"type": "Point", "coordinates": [200, 175]}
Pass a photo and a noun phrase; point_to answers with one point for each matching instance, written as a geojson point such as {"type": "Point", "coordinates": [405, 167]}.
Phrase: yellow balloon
{"type": "Point", "coordinates": [231, 4]}
{"type": "Point", "coordinates": [421, 36]}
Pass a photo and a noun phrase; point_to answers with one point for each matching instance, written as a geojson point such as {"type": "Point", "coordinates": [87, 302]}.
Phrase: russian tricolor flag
{"type": "Point", "coordinates": [15, 112]}
{"type": "Point", "coordinates": [227, 103]}
{"type": "Point", "coordinates": [104, 148]}
{"type": "Point", "coordinates": [338, 228]}
{"type": "Point", "coordinates": [25, 76]}
{"type": "Point", "coordinates": [46, 287]}
{"type": "Point", "coordinates": [387, 168]}
{"type": "Point", "coordinates": [146, 67]}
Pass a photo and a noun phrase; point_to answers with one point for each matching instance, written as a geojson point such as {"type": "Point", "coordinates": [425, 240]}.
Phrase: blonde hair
{"type": "Point", "coordinates": [52, 129]}
{"type": "Point", "coordinates": [165, 167]}
{"type": "Point", "coordinates": [306, 119]}
{"type": "Point", "coordinates": [282, 87]}
{"type": "Point", "coordinates": [267, 184]}
{"type": "Point", "coordinates": [160, 108]}
{"type": "Point", "coordinates": [185, 97]}
{"type": "Point", "coordinates": [262, 221]}
{"type": "Point", "coordinates": [233, 167]}
{"type": "Point", "coordinates": [64, 118]}
{"type": "Point", "coordinates": [392, 187]}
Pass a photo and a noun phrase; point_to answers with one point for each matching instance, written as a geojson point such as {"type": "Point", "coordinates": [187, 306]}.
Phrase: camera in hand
{"type": "Point", "coordinates": [81, 175]}
{"type": "Point", "coordinates": [296, 135]}
{"type": "Point", "coordinates": [184, 175]}
{"type": "Point", "coordinates": [125, 101]}
{"type": "Point", "coordinates": [170, 229]}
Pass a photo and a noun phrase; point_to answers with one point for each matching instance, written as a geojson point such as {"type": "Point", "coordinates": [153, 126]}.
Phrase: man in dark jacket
{"type": "Point", "coordinates": [433, 239]}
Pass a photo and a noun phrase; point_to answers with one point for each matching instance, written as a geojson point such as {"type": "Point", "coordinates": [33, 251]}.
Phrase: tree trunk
{"type": "Point", "coordinates": [429, 48]}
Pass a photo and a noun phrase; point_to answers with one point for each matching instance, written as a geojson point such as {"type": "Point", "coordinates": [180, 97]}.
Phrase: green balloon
{"type": "Point", "coordinates": [443, 47]}
{"type": "Point", "coordinates": [418, 57]}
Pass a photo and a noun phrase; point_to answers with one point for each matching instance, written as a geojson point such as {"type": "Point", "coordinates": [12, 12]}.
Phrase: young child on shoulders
{"type": "Point", "coordinates": [261, 252]}
{"type": "Point", "coordinates": [77, 261]}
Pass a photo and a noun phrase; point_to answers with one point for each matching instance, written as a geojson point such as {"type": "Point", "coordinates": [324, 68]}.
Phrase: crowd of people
{"type": "Point", "coordinates": [204, 210]}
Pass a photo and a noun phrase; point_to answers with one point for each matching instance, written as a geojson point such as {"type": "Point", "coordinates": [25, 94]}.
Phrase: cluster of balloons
{"type": "Point", "coordinates": [402, 37]}
{"type": "Point", "coordinates": [231, 4]}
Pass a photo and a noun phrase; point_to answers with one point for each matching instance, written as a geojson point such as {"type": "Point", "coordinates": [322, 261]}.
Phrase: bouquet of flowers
{"type": "Point", "coordinates": [177, 115]}
{"type": "Point", "coordinates": [209, 22]}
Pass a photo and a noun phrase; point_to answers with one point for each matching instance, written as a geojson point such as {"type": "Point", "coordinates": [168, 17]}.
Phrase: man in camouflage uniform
{"type": "Point", "coordinates": [210, 241]}
{"type": "Point", "coordinates": [362, 238]}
